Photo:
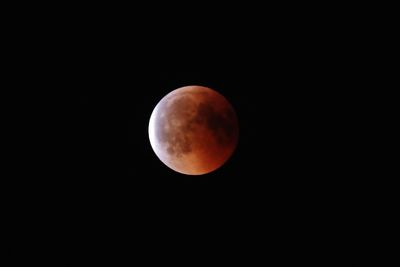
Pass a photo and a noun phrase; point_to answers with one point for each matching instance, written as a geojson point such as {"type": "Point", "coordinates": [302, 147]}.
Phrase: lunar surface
{"type": "Point", "coordinates": [193, 130]}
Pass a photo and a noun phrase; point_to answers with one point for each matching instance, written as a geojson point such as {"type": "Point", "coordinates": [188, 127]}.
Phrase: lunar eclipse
{"type": "Point", "coordinates": [193, 130]}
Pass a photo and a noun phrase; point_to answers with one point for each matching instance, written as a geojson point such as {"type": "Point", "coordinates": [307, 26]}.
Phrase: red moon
{"type": "Point", "coordinates": [193, 130]}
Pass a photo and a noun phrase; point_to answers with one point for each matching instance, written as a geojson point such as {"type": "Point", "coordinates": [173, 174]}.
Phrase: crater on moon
{"type": "Point", "coordinates": [173, 127]}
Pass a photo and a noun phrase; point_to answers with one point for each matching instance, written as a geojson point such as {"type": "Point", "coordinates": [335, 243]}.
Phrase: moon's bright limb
{"type": "Point", "coordinates": [193, 130]}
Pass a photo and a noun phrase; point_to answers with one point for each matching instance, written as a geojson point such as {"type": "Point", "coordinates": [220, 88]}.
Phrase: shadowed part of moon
{"type": "Point", "coordinates": [220, 123]}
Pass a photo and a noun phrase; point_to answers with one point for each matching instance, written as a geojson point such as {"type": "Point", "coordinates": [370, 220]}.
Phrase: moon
{"type": "Point", "coordinates": [193, 130]}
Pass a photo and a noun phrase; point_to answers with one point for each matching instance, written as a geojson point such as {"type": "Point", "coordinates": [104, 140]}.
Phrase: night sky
{"type": "Point", "coordinates": [280, 182]}
{"type": "Point", "coordinates": [276, 197]}
{"type": "Point", "coordinates": [281, 127]}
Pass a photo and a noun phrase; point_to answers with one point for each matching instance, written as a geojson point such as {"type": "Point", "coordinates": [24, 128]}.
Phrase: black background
{"type": "Point", "coordinates": [282, 196]}
{"type": "Point", "coordinates": [281, 187]}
